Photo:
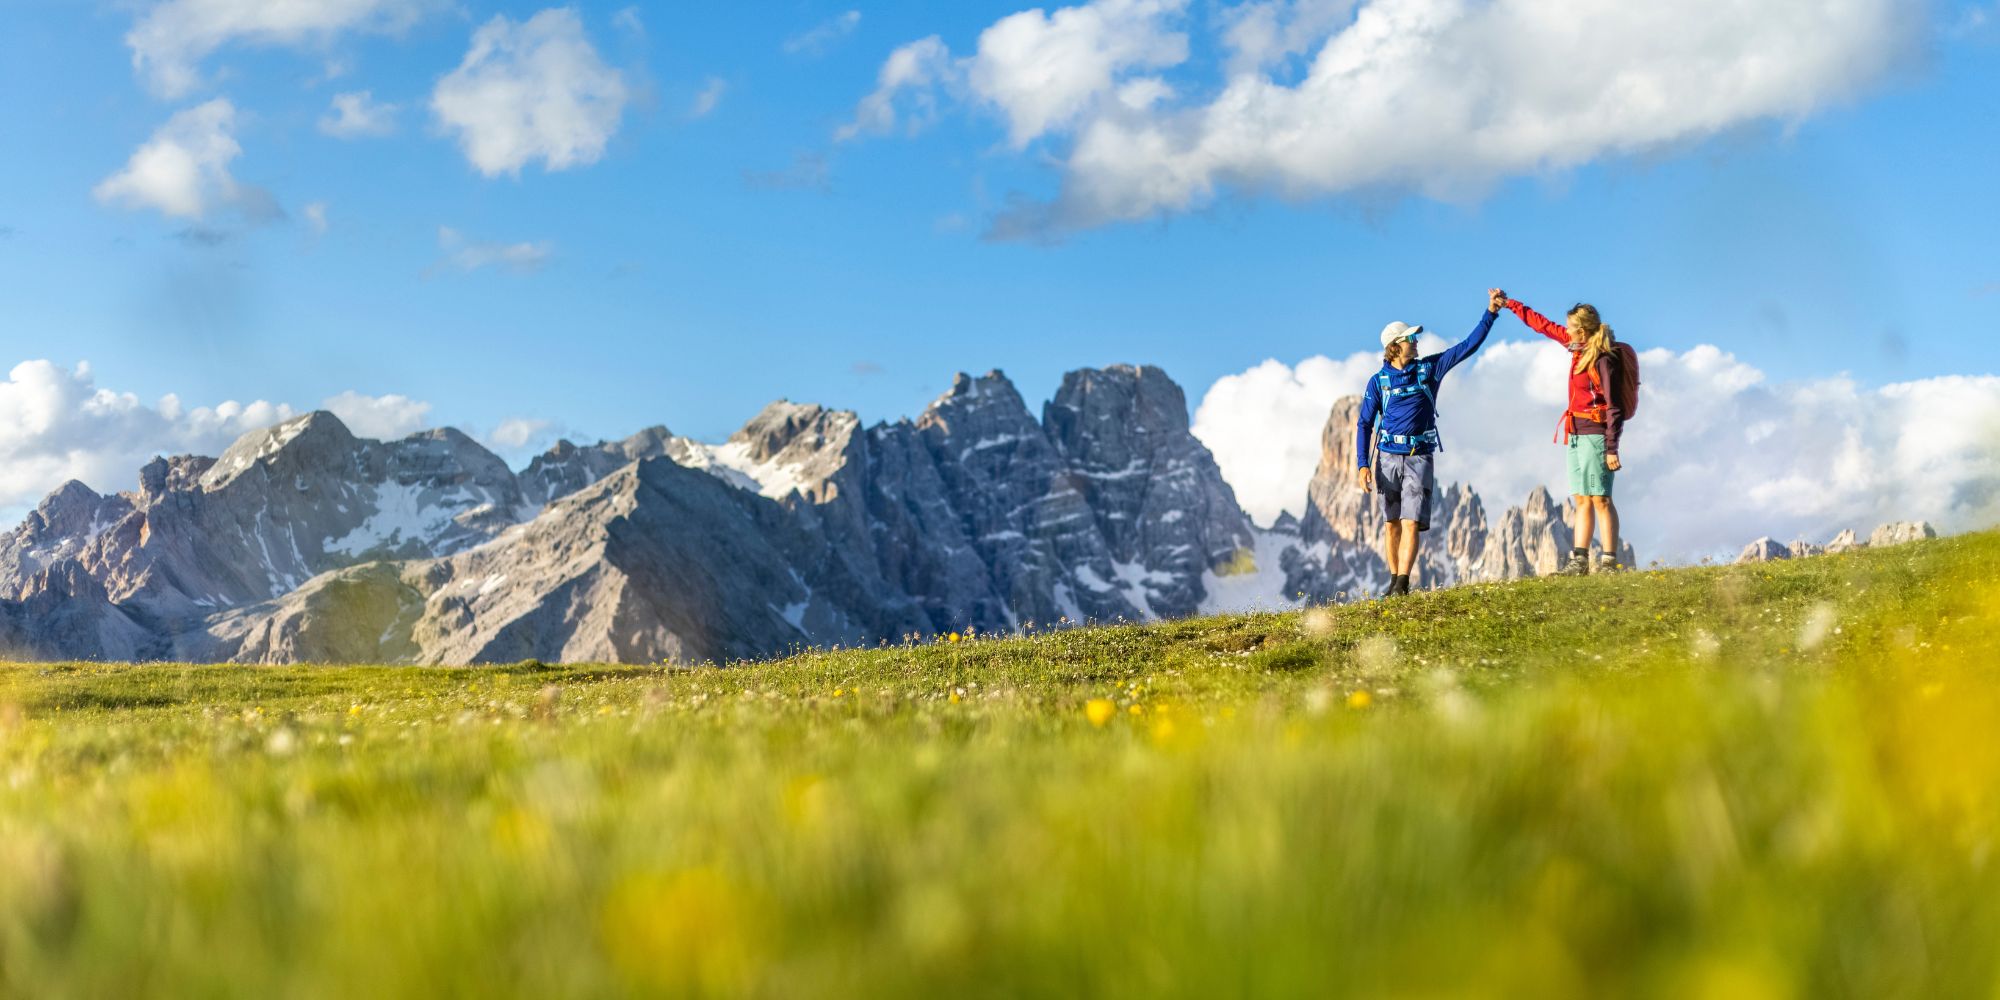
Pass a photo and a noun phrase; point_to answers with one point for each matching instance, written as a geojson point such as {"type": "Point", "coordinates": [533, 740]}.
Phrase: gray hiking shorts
{"type": "Point", "coordinates": [1405, 483]}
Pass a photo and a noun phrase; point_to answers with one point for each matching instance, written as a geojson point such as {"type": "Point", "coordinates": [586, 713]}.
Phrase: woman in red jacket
{"type": "Point", "coordinates": [1590, 427]}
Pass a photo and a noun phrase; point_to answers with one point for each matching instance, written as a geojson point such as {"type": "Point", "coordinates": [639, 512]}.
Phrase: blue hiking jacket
{"type": "Point", "coordinates": [1406, 400]}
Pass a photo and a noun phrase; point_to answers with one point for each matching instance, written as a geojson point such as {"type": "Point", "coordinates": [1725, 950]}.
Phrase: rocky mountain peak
{"type": "Point", "coordinates": [70, 508]}
{"type": "Point", "coordinates": [314, 441]}
{"type": "Point", "coordinates": [990, 402]}
{"type": "Point", "coordinates": [163, 475]}
{"type": "Point", "coordinates": [794, 431]}
{"type": "Point", "coordinates": [1121, 408]}
{"type": "Point", "coordinates": [648, 442]}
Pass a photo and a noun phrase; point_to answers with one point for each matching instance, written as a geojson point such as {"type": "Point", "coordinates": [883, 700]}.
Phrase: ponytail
{"type": "Point", "coordinates": [1597, 343]}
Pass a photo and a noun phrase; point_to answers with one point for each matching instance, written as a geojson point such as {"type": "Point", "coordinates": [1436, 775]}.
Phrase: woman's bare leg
{"type": "Point", "coordinates": [1607, 513]}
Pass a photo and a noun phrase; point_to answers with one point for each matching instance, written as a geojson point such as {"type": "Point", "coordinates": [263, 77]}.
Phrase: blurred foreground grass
{"type": "Point", "coordinates": [1779, 780]}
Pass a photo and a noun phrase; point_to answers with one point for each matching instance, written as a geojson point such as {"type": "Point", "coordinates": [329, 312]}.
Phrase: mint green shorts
{"type": "Point", "coordinates": [1587, 475]}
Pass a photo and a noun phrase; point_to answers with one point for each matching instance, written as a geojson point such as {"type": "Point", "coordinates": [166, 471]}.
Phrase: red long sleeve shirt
{"type": "Point", "coordinates": [1587, 396]}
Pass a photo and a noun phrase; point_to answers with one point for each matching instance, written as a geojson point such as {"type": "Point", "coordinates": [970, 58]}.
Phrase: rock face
{"type": "Point", "coordinates": [1763, 550]}
{"type": "Point", "coordinates": [1899, 532]}
{"type": "Point", "coordinates": [303, 543]}
{"type": "Point", "coordinates": [1893, 533]}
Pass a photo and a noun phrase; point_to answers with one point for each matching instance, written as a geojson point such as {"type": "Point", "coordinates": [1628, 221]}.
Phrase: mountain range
{"type": "Point", "coordinates": [305, 543]}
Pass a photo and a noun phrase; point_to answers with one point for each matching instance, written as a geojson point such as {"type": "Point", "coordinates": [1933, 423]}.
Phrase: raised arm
{"type": "Point", "coordinates": [1539, 323]}
{"type": "Point", "coordinates": [1464, 349]}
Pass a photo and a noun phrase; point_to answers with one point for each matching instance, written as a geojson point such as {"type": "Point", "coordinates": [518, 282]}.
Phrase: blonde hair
{"type": "Point", "coordinates": [1598, 339]}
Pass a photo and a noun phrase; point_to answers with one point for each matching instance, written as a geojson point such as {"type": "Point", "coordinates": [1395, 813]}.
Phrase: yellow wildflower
{"type": "Point", "coordinates": [1359, 699]}
{"type": "Point", "coordinates": [1099, 711]}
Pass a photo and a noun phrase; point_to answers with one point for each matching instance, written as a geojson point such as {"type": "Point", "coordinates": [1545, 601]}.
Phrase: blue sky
{"type": "Point", "coordinates": [705, 264]}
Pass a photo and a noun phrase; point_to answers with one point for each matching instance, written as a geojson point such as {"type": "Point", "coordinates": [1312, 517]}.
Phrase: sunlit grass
{"type": "Point", "coordinates": [1763, 781]}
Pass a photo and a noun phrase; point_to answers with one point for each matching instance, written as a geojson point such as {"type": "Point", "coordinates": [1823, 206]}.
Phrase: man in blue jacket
{"type": "Point", "coordinates": [1399, 413]}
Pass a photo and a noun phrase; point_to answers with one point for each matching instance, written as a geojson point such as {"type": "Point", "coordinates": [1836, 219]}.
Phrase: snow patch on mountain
{"type": "Point", "coordinates": [1258, 587]}
{"type": "Point", "coordinates": [405, 514]}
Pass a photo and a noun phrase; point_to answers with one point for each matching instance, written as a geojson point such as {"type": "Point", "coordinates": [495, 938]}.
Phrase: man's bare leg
{"type": "Point", "coordinates": [1392, 546]}
{"type": "Point", "coordinates": [1408, 554]}
{"type": "Point", "coordinates": [1586, 519]}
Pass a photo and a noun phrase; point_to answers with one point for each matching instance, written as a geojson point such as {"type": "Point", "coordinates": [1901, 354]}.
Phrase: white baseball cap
{"type": "Point", "coordinates": [1399, 330]}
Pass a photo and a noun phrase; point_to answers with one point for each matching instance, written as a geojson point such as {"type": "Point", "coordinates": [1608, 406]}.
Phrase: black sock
{"type": "Point", "coordinates": [1580, 552]}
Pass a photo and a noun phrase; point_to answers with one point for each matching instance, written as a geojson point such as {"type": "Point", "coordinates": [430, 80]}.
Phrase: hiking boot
{"type": "Point", "coordinates": [1578, 564]}
{"type": "Point", "coordinates": [1608, 563]}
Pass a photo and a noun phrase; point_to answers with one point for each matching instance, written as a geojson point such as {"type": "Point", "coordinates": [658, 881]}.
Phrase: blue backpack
{"type": "Point", "coordinates": [1422, 384]}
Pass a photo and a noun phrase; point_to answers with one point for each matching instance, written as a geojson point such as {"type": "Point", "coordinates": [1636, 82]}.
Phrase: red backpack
{"type": "Point", "coordinates": [1624, 389]}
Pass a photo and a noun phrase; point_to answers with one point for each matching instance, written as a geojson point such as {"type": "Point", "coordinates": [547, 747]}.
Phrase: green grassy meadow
{"type": "Point", "coordinates": [1767, 781]}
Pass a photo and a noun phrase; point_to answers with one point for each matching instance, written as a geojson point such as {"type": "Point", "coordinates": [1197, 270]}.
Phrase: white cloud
{"type": "Point", "coordinates": [627, 19]}
{"type": "Point", "coordinates": [172, 37]}
{"type": "Point", "coordinates": [183, 170]}
{"type": "Point", "coordinates": [916, 69]}
{"type": "Point", "coordinates": [824, 35]}
{"type": "Point", "coordinates": [356, 115]}
{"type": "Point", "coordinates": [530, 91]}
{"type": "Point", "coordinates": [1262, 33]}
{"type": "Point", "coordinates": [464, 254]}
{"type": "Point", "coordinates": [517, 433]}
{"type": "Point", "coordinates": [1043, 71]}
{"type": "Point", "coordinates": [57, 425]}
{"type": "Point", "coordinates": [1719, 454]}
{"type": "Point", "coordinates": [1438, 97]}
{"type": "Point", "coordinates": [384, 418]}
{"type": "Point", "coordinates": [710, 96]}
{"type": "Point", "coordinates": [315, 213]}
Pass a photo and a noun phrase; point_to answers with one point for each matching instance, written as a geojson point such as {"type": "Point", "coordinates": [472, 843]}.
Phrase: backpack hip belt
{"type": "Point", "coordinates": [1429, 437]}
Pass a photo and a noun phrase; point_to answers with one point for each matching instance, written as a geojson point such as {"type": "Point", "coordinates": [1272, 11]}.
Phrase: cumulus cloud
{"type": "Point", "coordinates": [172, 37]}
{"type": "Point", "coordinates": [708, 98]}
{"type": "Point", "coordinates": [384, 418]}
{"type": "Point", "coordinates": [356, 115]}
{"type": "Point", "coordinates": [183, 170]}
{"type": "Point", "coordinates": [315, 213]}
{"type": "Point", "coordinates": [462, 254]}
{"type": "Point", "coordinates": [1719, 454]}
{"type": "Point", "coordinates": [1039, 70]}
{"type": "Point", "coordinates": [1044, 70]}
{"type": "Point", "coordinates": [57, 424]}
{"type": "Point", "coordinates": [1438, 97]}
{"type": "Point", "coordinates": [824, 35]}
{"type": "Point", "coordinates": [534, 90]}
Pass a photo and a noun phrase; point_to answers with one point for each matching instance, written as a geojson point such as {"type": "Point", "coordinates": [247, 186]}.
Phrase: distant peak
{"type": "Point", "coordinates": [315, 431]}
{"type": "Point", "coordinates": [72, 491]}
